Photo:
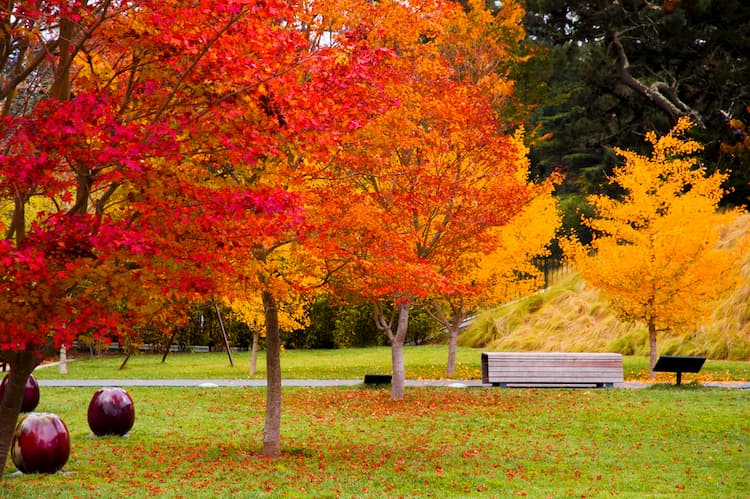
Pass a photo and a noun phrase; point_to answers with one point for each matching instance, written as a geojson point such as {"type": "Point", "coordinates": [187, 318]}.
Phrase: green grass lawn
{"type": "Point", "coordinates": [422, 362]}
{"type": "Point", "coordinates": [426, 362]}
{"type": "Point", "coordinates": [438, 442]}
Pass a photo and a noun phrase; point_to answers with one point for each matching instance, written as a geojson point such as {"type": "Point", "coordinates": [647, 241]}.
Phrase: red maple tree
{"type": "Point", "coordinates": [123, 129]}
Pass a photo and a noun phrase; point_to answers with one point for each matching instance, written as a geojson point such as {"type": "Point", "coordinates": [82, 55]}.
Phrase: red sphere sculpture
{"type": "Point", "coordinates": [41, 443]}
{"type": "Point", "coordinates": [30, 394]}
{"type": "Point", "coordinates": [111, 412]}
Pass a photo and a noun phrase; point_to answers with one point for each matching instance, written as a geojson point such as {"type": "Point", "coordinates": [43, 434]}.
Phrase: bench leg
{"type": "Point", "coordinates": [679, 378]}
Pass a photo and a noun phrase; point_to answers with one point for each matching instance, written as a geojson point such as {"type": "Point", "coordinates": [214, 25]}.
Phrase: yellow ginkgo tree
{"type": "Point", "coordinates": [655, 253]}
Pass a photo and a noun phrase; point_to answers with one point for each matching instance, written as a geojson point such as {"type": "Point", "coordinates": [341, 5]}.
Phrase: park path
{"type": "Point", "coordinates": [261, 383]}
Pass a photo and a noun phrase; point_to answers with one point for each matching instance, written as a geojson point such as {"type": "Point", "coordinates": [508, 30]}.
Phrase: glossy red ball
{"type": "Point", "coordinates": [111, 412]}
{"type": "Point", "coordinates": [41, 443]}
{"type": "Point", "coordinates": [30, 395]}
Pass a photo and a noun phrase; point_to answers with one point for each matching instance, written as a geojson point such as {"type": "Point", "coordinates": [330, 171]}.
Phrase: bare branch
{"type": "Point", "coordinates": [660, 93]}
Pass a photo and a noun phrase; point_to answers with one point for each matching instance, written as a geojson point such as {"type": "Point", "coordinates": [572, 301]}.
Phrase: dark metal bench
{"type": "Point", "coordinates": [679, 364]}
{"type": "Point", "coordinates": [378, 379]}
{"type": "Point", "coordinates": [551, 369]}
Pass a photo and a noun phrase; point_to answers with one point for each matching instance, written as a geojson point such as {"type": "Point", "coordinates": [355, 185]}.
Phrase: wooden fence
{"type": "Point", "coordinates": [553, 269]}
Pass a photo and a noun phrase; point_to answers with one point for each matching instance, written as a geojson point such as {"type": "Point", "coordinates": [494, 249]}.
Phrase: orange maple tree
{"type": "Point", "coordinates": [316, 103]}
{"type": "Point", "coordinates": [506, 271]}
{"type": "Point", "coordinates": [426, 180]}
{"type": "Point", "coordinates": [481, 48]}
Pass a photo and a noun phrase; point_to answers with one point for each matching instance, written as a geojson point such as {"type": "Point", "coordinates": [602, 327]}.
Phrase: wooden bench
{"type": "Point", "coordinates": [551, 369]}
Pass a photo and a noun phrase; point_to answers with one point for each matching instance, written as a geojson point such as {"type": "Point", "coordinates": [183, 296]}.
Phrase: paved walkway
{"type": "Point", "coordinates": [206, 383]}
{"type": "Point", "coordinates": [261, 383]}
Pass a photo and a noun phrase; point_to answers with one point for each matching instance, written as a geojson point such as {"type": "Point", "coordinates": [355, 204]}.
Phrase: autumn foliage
{"type": "Point", "coordinates": [117, 186]}
{"type": "Point", "coordinates": [506, 271]}
{"type": "Point", "coordinates": [157, 153]}
{"type": "Point", "coordinates": [131, 138]}
{"type": "Point", "coordinates": [431, 176]}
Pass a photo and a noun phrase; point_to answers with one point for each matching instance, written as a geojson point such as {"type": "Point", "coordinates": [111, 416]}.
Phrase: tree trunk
{"type": "Point", "coordinates": [60, 88]}
{"type": "Point", "coordinates": [652, 349]}
{"type": "Point", "coordinates": [452, 347]}
{"type": "Point", "coordinates": [453, 325]}
{"type": "Point", "coordinates": [272, 429]}
{"type": "Point", "coordinates": [254, 354]}
{"type": "Point", "coordinates": [22, 364]}
{"type": "Point", "coordinates": [398, 379]}
{"type": "Point", "coordinates": [125, 360]}
{"type": "Point", "coordinates": [19, 219]}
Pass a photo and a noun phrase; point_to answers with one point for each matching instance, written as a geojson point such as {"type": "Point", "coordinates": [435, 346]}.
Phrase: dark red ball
{"type": "Point", "coordinates": [30, 395]}
{"type": "Point", "coordinates": [111, 412]}
{"type": "Point", "coordinates": [41, 443]}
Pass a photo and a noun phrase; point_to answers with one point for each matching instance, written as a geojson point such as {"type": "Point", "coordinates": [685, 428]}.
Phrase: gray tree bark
{"type": "Point", "coordinates": [398, 379]}
{"type": "Point", "coordinates": [652, 349]}
{"type": "Point", "coordinates": [272, 428]}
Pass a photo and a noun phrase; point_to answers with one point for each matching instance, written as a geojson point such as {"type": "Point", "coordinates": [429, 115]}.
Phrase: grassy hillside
{"type": "Point", "coordinates": [570, 316]}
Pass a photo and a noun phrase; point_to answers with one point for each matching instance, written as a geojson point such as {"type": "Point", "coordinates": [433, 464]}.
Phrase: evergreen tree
{"type": "Point", "coordinates": [606, 72]}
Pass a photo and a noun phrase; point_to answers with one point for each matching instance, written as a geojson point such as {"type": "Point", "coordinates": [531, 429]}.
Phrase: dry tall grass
{"type": "Point", "coordinates": [571, 316]}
